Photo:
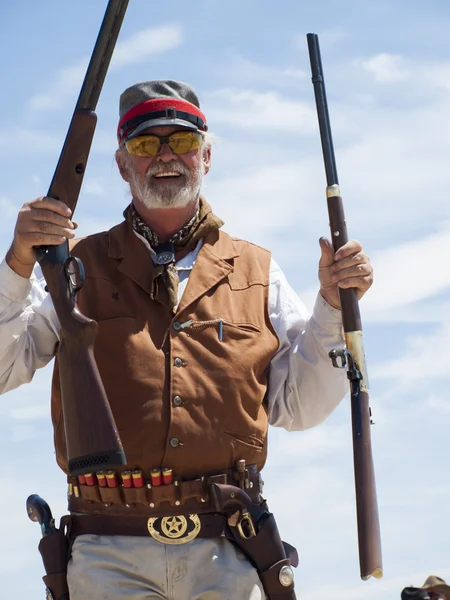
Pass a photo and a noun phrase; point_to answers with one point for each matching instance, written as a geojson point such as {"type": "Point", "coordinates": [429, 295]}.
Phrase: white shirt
{"type": "Point", "coordinates": [304, 387]}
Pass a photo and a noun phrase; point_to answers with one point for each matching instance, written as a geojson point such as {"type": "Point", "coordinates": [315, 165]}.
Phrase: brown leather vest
{"type": "Point", "coordinates": [189, 398]}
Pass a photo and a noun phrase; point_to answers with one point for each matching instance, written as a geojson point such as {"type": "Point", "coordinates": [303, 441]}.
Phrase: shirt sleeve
{"type": "Point", "coordinates": [304, 387]}
{"type": "Point", "coordinates": [29, 327]}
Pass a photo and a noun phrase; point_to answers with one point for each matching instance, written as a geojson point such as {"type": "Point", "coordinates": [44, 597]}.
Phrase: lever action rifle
{"type": "Point", "coordinates": [92, 438]}
{"type": "Point", "coordinates": [353, 357]}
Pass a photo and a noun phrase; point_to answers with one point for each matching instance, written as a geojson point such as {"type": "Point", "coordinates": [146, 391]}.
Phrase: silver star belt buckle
{"type": "Point", "coordinates": [174, 530]}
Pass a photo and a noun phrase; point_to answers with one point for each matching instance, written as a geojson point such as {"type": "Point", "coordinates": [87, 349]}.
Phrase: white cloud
{"type": "Point", "coordinates": [386, 68]}
{"type": "Point", "coordinates": [439, 404]}
{"type": "Point", "coordinates": [438, 75]}
{"type": "Point", "coordinates": [310, 446]}
{"type": "Point", "coordinates": [399, 269]}
{"type": "Point", "coordinates": [29, 412]}
{"type": "Point", "coordinates": [65, 83]}
{"type": "Point", "coordinates": [244, 69]}
{"type": "Point", "coordinates": [426, 356]}
{"type": "Point", "coordinates": [263, 201]}
{"type": "Point", "coordinates": [146, 43]}
{"type": "Point", "coordinates": [266, 111]}
{"type": "Point", "coordinates": [421, 77]}
{"type": "Point", "coordinates": [29, 141]}
{"type": "Point", "coordinates": [395, 294]}
{"type": "Point", "coordinates": [139, 47]}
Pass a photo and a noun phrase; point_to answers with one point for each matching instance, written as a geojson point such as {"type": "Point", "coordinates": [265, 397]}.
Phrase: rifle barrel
{"type": "Point", "coordinates": [369, 538]}
{"type": "Point", "coordinates": [322, 109]}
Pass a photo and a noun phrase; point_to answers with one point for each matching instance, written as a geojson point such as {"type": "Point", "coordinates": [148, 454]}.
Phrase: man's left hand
{"type": "Point", "coordinates": [349, 267]}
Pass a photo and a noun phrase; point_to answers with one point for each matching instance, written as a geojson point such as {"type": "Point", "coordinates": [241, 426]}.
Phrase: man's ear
{"type": "Point", "coordinates": [121, 163]}
{"type": "Point", "coordinates": [206, 158]}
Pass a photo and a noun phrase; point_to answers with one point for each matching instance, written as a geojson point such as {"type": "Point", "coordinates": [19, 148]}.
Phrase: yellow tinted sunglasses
{"type": "Point", "coordinates": [180, 142]}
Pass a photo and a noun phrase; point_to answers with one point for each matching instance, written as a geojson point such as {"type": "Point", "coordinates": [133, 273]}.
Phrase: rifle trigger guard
{"type": "Point", "coordinates": [75, 274]}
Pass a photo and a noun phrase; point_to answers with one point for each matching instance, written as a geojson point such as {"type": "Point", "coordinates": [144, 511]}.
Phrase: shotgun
{"type": "Point", "coordinates": [92, 437]}
{"type": "Point", "coordinates": [369, 539]}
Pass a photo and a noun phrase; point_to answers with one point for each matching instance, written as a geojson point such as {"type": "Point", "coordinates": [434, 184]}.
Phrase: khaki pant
{"type": "Point", "coordinates": [141, 568]}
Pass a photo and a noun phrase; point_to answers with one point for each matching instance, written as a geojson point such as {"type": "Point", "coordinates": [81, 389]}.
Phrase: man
{"type": "Point", "coordinates": [201, 344]}
{"type": "Point", "coordinates": [434, 588]}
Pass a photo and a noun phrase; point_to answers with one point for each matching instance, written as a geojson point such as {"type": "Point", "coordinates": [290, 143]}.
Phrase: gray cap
{"type": "Point", "coordinates": [159, 103]}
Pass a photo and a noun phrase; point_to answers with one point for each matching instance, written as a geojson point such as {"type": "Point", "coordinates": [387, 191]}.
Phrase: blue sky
{"type": "Point", "coordinates": [387, 68]}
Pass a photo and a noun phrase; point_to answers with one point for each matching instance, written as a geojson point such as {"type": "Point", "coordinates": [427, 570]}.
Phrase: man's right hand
{"type": "Point", "coordinates": [41, 222]}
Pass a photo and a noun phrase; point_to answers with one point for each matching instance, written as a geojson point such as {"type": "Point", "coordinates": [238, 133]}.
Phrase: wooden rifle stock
{"type": "Point", "coordinates": [353, 358]}
{"type": "Point", "coordinates": [93, 442]}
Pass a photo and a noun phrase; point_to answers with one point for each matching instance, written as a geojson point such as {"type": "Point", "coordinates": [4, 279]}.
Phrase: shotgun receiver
{"type": "Point", "coordinates": [92, 438]}
{"type": "Point", "coordinates": [353, 357]}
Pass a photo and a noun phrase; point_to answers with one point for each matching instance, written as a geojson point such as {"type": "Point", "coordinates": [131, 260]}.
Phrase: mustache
{"type": "Point", "coordinates": [171, 166]}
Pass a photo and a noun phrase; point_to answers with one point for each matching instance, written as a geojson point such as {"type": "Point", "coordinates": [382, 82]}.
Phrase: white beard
{"type": "Point", "coordinates": [174, 193]}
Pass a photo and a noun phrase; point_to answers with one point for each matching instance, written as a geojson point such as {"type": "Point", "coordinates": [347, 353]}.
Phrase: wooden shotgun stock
{"type": "Point", "coordinates": [93, 442]}
{"type": "Point", "coordinates": [353, 358]}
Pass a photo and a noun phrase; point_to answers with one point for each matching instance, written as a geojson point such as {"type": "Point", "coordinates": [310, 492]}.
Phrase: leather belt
{"type": "Point", "coordinates": [178, 498]}
{"type": "Point", "coordinates": [175, 529]}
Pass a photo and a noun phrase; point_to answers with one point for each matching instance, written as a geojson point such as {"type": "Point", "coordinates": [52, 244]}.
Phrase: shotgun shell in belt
{"type": "Point", "coordinates": [76, 491]}
{"type": "Point", "coordinates": [111, 479]}
{"type": "Point", "coordinates": [138, 478]}
{"type": "Point", "coordinates": [81, 479]}
{"type": "Point", "coordinates": [101, 478]}
{"type": "Point", "coordinates": [167, 476]}
{"type": "Point", "coordinates": [156, 477]}
{"type": "Point", "coordinates": [127, 482]}
{"type": "Point", "coordinates": [90, 479]}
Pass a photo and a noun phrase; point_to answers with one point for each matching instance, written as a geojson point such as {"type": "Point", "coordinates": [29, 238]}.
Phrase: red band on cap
{"type": "Point", "coordinates": [159, 104]}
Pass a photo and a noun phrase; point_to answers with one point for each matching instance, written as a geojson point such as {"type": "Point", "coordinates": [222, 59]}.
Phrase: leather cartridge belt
{"type": "Point", "coordinates": [178, 498]}
{"type": "Point", "coordinates": [175, 529]}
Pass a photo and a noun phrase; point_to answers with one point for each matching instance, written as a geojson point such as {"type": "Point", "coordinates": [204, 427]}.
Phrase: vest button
{"type": "Point", "coordinates": [178, 362]}
{"type": "Point", "coordinates": [177, 401]}
{"type": "Point", "coordinates": [177, 325]}
{"type": "Point", "coordinates": [174, 442]}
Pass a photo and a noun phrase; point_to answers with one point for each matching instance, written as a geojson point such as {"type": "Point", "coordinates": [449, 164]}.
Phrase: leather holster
{"type": "Point", "coordinates": [54, 549]}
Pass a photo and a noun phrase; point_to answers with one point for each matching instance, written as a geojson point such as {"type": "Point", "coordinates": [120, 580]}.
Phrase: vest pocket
{"type": "Point", "coordinates": [223, 327]}
{"type": "Point", "coordinates": [251, 441]}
